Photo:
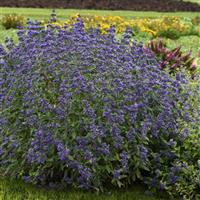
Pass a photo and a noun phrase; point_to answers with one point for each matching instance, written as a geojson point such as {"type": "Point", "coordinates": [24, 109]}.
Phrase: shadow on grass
{"type": "Point", "coordinates": [17, 190]}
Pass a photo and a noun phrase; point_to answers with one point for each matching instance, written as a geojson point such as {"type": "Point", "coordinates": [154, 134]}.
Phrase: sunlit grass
{"type": "Point", "coordinates": [39, 13]}
{"type": "Point", "coordinates": [195, 1]}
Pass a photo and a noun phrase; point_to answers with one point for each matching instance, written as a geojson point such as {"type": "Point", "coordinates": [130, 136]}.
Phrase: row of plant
{"type": "Point", "coordinates": [84, 109]}
{"type": "Point", "coordinates": [170, 27]}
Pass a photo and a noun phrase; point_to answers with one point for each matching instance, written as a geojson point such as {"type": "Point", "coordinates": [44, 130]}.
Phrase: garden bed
{"type": "Point", "coordinates": [139, 5]}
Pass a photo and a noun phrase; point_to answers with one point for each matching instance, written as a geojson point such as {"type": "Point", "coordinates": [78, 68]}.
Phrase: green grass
{"type": "Point", "coordinates": [187, 43]}
{"type": "Point", "coordinates": [17, 190]}
{"type": "Point", "coordinates": [7, 33]}
{"type": "Point", "coordinates": [195, 1]}
{"type": "Point", "coordinates": [64, 13]}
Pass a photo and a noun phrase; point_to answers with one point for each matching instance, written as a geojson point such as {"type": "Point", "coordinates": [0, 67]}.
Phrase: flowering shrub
{"type": "Point", "coordinates": [173, 60]}
{"type": "Point", "coordinates": [84, 109]}
{"type": "Point", "coordinates": [196, 20]}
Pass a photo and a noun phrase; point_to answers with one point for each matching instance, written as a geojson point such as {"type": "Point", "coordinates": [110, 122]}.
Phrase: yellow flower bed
{"type": "Point", "coordinates": [154, 27]}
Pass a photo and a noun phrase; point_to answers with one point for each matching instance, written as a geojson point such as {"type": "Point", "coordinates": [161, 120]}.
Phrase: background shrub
{"type": "Point", "coordinates": [196, 21]}
{"type": "Point", "coordinates": [84, 109]}
{"type": "Point", "coordinates": [12, 21]}
{"type": "Point", "coordinates": [169, 33]}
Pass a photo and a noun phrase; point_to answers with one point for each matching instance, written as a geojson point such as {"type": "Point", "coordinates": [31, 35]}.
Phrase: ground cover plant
{"type": "Point", "coordinates": [84, 109]}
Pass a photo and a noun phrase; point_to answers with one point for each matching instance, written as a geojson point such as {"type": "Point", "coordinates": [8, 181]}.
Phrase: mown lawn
{"type": "Point", "coordinates": [39, 13]}
{"type": "Point", "coordinates": [16, 190]}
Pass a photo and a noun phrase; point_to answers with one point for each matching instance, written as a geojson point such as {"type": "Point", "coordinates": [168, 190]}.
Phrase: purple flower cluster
{"type": "Point", "coordinates": [63, 151]}
{"type": "Point", "coordinates": [39, 147]}
{"type": "Point", "coordinates": [85, 106]}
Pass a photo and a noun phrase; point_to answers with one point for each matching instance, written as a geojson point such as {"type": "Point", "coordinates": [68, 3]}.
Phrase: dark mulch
{"type": "Point", "coordinates": [139, 5]}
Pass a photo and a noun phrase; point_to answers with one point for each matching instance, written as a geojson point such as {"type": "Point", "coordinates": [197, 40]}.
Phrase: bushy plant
{"type": "Point", "coordinates": [169, 33]}
{"type": "Point", "coordinates": [84, 109]}
{"type": "Point", "coordinates": [173, 60]}
{"type": "Point", "coordinates": [196, 21]}
{"type": "Point", "coordinates": [12, 21]}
